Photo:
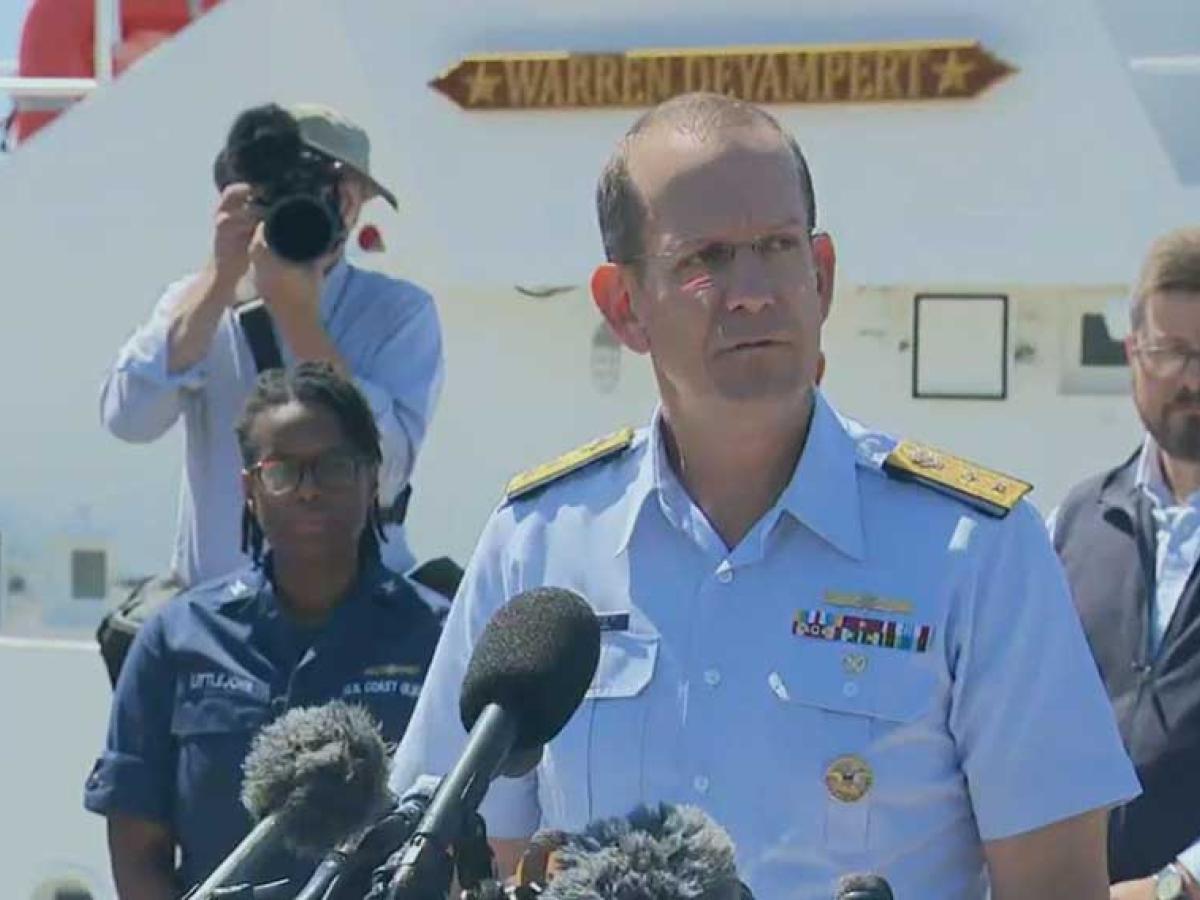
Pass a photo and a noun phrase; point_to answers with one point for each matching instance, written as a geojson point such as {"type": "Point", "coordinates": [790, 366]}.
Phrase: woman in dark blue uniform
{"type": "Point", "coordinates": [316, 618]}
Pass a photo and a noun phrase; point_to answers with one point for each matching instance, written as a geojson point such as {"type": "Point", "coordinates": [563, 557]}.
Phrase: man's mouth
{"type": "Point", "coordinates": [753, 344]}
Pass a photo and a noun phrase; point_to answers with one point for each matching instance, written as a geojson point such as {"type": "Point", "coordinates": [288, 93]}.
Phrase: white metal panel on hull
{"type": "Point", "coordinates": [54, 705]}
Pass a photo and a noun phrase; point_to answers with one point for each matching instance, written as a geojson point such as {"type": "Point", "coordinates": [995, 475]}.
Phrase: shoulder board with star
{"type": "Point", "coordinates": [539, 476]}
{"type": "Point", "coordinates": [991, 492]}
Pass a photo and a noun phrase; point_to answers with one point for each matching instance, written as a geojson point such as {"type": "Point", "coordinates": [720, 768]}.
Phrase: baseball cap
{"type": "Point", "coordinates": [328, 131]}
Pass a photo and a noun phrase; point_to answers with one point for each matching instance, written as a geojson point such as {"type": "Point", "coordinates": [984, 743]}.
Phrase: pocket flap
{"type": "Point", "coordinates": [224, 714]}
{"type": "Point", "coordinates": [626, 665]}
{"type": "Point", "coordinates": [863, 680]}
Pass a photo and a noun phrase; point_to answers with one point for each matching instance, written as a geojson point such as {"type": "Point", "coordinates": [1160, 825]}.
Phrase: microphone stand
{"type": "Point", "coordinates": [473, 855]}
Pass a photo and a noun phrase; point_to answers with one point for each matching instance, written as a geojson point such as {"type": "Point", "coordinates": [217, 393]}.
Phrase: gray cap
{"type": "Point", "coordinates": [328, 131]}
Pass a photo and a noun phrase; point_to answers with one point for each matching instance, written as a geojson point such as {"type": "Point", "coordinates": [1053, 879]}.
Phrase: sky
{"type": "Point", "coordinates": [12, 14]}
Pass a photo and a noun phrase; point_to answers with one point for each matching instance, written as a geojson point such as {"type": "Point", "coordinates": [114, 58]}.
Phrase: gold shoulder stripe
{"type": "Point", "coordinates": [591, 452]}
{"type": "Point", "coordinates": [992, 492]}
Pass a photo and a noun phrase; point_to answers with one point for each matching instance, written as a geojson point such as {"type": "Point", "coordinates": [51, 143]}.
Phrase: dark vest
{"type": "Point", "coordinates": [1105, 536]}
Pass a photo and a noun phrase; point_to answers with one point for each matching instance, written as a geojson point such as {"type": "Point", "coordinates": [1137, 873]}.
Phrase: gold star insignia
{"type": "Point", "coordinates": [952, 74]}
{"type": "Point", "coordinates": [481, 85]}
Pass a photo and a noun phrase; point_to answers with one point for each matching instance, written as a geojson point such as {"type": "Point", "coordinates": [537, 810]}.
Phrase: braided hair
{"type": "Point", "coordinates": [311, 383]}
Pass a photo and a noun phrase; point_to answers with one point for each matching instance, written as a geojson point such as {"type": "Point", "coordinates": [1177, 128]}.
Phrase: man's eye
{"type": "Point", "coordinates": [778, 243]}
{"type": "Point", "coordinates": [715, 256]}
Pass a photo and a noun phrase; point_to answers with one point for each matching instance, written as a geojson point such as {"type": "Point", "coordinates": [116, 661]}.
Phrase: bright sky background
{"type": "Point", "coordinates": [12, 14]}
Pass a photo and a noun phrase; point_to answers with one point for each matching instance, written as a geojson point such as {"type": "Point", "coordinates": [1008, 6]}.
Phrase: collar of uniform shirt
{"type": "Point", "coordinates": [374, 580]}
{"type": "Point", "coordinates": [822, 494]}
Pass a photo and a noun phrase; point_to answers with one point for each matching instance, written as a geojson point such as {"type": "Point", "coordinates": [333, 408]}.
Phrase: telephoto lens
{"type": "Point", "coordinates": [294, 186]}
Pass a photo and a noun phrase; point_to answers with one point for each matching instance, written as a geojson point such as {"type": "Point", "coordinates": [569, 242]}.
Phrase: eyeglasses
{"type": "Point", "coordinates": [1164, 360]}
{"type": "Point", "coordinates": [331, 472]}
{"type": "Point", "coordinates": [783, 255]}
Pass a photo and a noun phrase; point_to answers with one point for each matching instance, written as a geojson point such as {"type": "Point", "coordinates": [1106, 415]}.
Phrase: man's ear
{"type": "Point", "coordinates": [825, 260]}
{"type": "Point", "coordinates": [610, 293]}
{"type": "Point", "coordinates": [1130, 345]}
{"type": "Point", "coordinates": [352, 197]}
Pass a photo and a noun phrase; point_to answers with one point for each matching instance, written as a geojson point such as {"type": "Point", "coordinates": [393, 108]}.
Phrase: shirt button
{"type": "Point", "coordinates": [700, 783]}
{"type": "Point", "coordinates": [850, 689]}
{"type": "Point", "coordinates": [725, 573]}
{"type": "Point", "coordinates": [712, 677]}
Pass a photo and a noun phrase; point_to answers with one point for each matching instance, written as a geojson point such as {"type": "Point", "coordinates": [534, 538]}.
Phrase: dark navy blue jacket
{"type": "Point", "coordinates": [215, 665]}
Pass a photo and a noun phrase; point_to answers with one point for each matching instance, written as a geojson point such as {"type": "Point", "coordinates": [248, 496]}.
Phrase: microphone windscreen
{"type": "Point", "coordinates": [863, 887]}
{"type": "Point", "coordinates": [535, 658]}
{"type": "Point", "coordinates": [323, 769]}
{"type": "Point", "coordinates": [662, 852]}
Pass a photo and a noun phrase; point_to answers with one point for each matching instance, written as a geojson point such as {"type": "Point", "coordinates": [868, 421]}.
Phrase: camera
{"type": "Point", "coordinates": [294, 186]}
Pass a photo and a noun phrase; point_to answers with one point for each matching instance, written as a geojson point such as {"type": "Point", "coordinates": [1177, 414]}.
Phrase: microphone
{"type": "Point", "coordinates": [311, 778]}
{"type": "Point", "coordinates": [863, 887]}
{"type": "Point", "coordinates": [348, 875]}
{"type": "Point", "coordinates": [526, 677]}
{"type": "Point", "coordinates": [666, 852]}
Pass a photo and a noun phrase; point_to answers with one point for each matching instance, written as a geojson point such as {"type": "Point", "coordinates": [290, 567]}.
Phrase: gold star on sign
{"type": "Point", "coordinates": [952, 74]}
{"type": "Point", "coordinates": [481, 85]}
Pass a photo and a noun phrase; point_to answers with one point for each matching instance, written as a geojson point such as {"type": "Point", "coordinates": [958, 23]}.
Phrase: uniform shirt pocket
{"type": "Point", "coordinates": [859, 708]}
{"type": "Point", "coordinates": [594, 767]}
{"type": "Point", "coordinates": [213, 735]}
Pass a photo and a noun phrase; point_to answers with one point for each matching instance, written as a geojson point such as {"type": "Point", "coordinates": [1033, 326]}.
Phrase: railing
{"type": "Point", "coordinates": [58, 93]}
{"type": "Point", "coordinates": [1166, 65]}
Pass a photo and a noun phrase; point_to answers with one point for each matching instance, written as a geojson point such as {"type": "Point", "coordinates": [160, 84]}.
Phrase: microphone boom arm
{"type": "Point", "coordinates": [425, 860]}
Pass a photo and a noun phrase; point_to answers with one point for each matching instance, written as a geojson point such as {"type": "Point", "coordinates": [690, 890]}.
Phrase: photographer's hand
{"type": "Point", "coordinates": [214, 288]}
{"type": "Point", "coordinates": [292, 292]}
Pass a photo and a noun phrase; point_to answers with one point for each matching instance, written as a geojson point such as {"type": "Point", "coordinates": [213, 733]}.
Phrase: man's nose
{"type": "Point", "coordinates": [749, 286]}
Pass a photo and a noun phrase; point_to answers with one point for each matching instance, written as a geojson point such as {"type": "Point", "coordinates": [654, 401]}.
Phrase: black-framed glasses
{"type": "Point", "coordinates": [783, 254]}
{"type": "Point", "coordinates": [1165, 360]}
{"type": "Point", "coordinates": [329, 472]}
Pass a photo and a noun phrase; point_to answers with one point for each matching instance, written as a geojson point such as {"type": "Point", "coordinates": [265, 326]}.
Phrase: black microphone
{"type": "Point", "coordinates": [863, 887]}
{"type": "Point", "coordinates": [527, 675]}
{"type": "Point", "coordinates": [311, 778]}
{"type": "Point", "coordinates": [349, 875]}
{"type": "Point", "coordinates": [665, 852]}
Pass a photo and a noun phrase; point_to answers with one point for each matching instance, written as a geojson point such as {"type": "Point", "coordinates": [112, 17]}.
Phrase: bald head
{"type": "Point", "coordinates": [692, 121]}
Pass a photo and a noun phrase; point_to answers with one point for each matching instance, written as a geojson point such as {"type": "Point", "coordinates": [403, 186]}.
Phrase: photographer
{"type": "Point", "coordinates": [292, 185]}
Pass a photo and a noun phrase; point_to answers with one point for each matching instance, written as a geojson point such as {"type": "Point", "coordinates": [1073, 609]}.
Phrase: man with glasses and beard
{"type": "Point", "coordinates": [1130, 540]}
{"type": "Point", "coordinates": [315, 617]}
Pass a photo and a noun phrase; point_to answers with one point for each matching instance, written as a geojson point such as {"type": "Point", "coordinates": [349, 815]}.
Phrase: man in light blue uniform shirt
{"type": "Point", "coordinates": [193, 360]}
{"type": "Point", "coordinates": [856, 654]}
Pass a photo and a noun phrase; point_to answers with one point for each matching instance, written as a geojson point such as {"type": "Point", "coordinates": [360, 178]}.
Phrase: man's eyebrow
{"type": "Point", "coordinates": [675, 243]}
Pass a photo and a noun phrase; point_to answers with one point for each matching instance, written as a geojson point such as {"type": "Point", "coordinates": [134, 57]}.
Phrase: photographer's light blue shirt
{"type": "Point", "coordinates": [988, 720]}
{"type": "Point", "coordinates": [385, 329]}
